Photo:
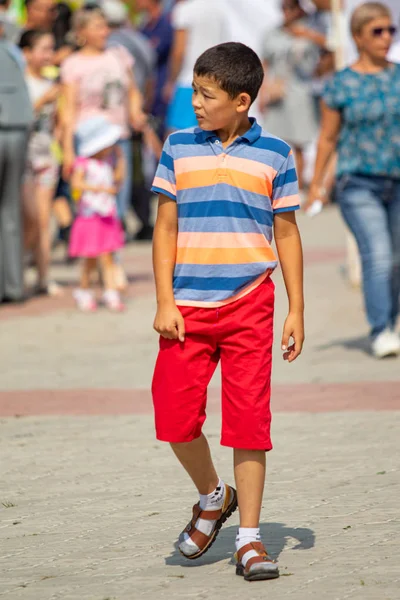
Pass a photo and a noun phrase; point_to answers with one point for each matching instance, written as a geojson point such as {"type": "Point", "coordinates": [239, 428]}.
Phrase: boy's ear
{"type": "Point", "coordinates": [243, 102]}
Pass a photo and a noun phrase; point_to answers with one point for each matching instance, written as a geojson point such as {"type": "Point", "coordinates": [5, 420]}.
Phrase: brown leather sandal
{"type": "Point", "coordinates": [203, 541]}
{"type": "Point", "coordinates": [258, 567]}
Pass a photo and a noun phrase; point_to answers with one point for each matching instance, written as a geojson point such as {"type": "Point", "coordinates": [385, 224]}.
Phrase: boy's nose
{"type": "Point", "coordinates": [195, 103]}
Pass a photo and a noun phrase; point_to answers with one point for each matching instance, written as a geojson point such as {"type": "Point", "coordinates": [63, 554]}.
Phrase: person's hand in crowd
{"type": "Point", "coordinates": [49, 97]}
{"type": "Point", "coordinates": [298, 30]}
{"type": "Point", "coordinates": [68, 163]}
{"type": "Point", "coordinates": [120, 168]}
{"type": "Point", "coordinates": [316, 193]}
{"type": "Point", "coordinates": [312, 35]}
{"type": "Point", "coordinates": [139, 120]}
{"type": "Point", "coordinates": [169, 323]}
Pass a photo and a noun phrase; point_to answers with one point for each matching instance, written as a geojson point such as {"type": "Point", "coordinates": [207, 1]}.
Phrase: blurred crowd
{"type": "Point", "coordinates": [88, 93]}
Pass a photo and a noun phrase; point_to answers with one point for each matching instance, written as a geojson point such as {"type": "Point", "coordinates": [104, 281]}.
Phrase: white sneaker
{"type": "Point", "coordinates": [386, 344]}
{"type": "Point", "coordinates": [84, 300]}
{"type": "Point", "coordinates": [112, 300]}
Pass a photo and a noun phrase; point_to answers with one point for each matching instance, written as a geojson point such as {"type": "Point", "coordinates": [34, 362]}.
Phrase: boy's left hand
{"type": "Point", "coordinates": [293, 328]}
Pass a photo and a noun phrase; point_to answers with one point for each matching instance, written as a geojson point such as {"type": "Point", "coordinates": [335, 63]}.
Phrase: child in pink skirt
{"type": "Point", "coordinates": [96, 233]}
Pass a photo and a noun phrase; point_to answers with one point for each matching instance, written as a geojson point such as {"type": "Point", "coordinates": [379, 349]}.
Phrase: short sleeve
{"type": "Point", "coordinates": [124, 57]}
{"type": "Point", "coordinates": [70, 72]}
{"type": "Point", "coordinates": [334, 93]}
{"type": "Point", "coordinates": [180, 16]}
{"type": "Point", "coordinates": [164, 180]}
{"type": "Point", "coordinates": [285, 187]}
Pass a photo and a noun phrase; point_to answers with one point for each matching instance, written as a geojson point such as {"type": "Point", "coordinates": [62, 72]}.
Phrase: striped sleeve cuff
{"type": "Point", "coordinates": [157, 190]}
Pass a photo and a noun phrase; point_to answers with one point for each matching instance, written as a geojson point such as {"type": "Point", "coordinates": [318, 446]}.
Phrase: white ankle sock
{"type": "Point", "coordinates": [247, 535]}
{"type": "Point", "coordinates": [213, 501]}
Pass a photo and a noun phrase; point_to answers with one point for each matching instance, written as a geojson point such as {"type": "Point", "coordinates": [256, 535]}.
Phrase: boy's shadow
{"type": "Point", "coordinates": [274, 534]}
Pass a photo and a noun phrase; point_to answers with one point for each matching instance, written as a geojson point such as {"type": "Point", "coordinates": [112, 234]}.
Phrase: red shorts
{"type": "Point", "coordinates": [239, 334]}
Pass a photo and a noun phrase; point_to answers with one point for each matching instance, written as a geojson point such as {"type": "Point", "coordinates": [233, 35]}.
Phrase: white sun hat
{"type": "Point", "coordinates": [115, 12]}
{"type": "Point", "coordinates": [96, 134]}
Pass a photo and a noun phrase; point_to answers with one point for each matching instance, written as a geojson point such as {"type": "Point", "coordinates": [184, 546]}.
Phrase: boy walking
{"type": "Point", "coordinates": [224, 188]}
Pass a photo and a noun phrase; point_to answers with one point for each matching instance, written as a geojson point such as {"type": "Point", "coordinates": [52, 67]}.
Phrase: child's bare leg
{"type": "Point", "coordinates": [111, 295]}
{"type": "Point", "coordinates": [30, 219]}
{"type": "Point", "coordinates": [195, 457]}
{"type": "Point", "coordinates": [107, 271]}
{"type": "Point", "coordinates": [250, 477]}
{"type": "Point", "coordinates": [88, 265]}
{"type": "Point", "coordinates": [216, 499]}
{"type": "Point", "coordinates": [253, 561]}
{"type": "Point", "coordinates": [83, 295]}
{"type": "Point", "coordinates": [44, 198]}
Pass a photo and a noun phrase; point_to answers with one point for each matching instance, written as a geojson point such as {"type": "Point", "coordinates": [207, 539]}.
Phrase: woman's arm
{"type": "Point", "coordinates": [48, 97]}
{"type": "Point", "coordinates": [327, 142]}
{"type": "Point", "coordinates": [70, 94]}
{"type": "Point", "coordinates": [319, 39]}
{"type": "Point", "coordinates": [119, 170]}
{"type": "Point", "coordinates": [137, 117]}
{"type": "Point", "coordinates": [168, 321]}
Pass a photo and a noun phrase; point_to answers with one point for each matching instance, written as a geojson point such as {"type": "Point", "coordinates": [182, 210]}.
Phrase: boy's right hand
{"type": "Point", "coordinates": [169, 323]}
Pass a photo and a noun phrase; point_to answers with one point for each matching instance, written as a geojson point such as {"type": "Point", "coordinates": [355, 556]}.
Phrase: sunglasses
{"type": "Point", "coordinates": [379, 31]}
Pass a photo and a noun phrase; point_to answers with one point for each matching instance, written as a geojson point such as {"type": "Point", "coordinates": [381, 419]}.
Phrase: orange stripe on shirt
{"type": "Point", "coordinates": [163, 184]}
{"type": "Point", "coordinates": [196, 179]}
{"type": "Point", "coordinates": [199, 239]}
{"type": "Point", "coordinates": [286, 202]}
{"type": "Point", "coordinates": [224, 256]}
{"type": "Point", "coordinates": [209, 163]}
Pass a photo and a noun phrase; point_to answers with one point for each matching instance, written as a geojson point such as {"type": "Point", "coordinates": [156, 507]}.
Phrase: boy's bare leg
{"type": "Point", "coordinates": [249, 468]}
{"type": "Point", "coordinates": [196, 459]}
{"type": "Point", "coordinates": [253, 561]}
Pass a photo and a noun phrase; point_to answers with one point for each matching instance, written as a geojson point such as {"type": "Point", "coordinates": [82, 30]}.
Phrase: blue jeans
{"type": "Point", "coordinates": [371, 208]}
{"type": "Point", "coordinates": [125, 193]}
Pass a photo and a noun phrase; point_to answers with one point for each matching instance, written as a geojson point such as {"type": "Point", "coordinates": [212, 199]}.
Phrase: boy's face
{"type": "Point", "coordinates": [213, 107]}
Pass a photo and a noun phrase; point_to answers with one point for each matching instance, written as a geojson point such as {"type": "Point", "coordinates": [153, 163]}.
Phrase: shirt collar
{"type": "Point", "coordinates": [251, 135]}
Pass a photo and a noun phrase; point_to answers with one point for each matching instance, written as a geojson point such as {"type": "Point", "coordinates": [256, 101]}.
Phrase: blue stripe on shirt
{"type": "Point", "coordinates": [224, 208]}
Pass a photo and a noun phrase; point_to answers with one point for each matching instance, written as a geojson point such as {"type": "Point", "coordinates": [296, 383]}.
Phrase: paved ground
{"type": "Point", "coordinates": [87, 496]}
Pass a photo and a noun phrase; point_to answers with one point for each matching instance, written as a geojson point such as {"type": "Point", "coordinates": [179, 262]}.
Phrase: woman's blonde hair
{"type": "Point", "coordinates": [83, 17]}
{"type": "Point", "coordinates": [366, 13]}
{"type": "Point", "coordinates": [80, 20]}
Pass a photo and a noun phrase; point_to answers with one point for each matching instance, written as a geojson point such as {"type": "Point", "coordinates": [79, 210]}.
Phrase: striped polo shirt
{"type": "Point", "coordinates": [226, 200]}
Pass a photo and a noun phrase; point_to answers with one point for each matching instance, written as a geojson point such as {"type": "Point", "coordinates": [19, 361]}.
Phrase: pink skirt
{"type": "Point", "coordinates": [95, 235]}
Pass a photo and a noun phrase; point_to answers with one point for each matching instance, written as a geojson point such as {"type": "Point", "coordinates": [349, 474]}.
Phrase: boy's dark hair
{"type": "Point", "coordinates": [235, 67]}
{"type": "Point", "coordinates": [30, 37]}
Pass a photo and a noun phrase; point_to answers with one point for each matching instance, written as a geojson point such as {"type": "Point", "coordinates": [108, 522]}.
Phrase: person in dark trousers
{"type": "Point", "coordinates": [16, 116]}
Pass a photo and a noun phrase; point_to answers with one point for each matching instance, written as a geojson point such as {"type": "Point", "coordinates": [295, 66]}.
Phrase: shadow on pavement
{"type": "Point", "coordinates": [275, 536]}
{"type": "Point", "coordinates": [359, 343]}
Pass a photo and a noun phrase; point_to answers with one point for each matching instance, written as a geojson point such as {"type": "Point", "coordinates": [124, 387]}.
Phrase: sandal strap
{"type": "Point", "coordinates": [257, 546]}
{"type": "Point", "coordinates": [198, 537]}
{"type": "Point", "coordinates": [207, 515]}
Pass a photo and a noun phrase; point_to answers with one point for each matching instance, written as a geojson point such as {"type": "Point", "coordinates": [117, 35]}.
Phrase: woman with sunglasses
{"type": "Point", "coordinates": [361, 122]}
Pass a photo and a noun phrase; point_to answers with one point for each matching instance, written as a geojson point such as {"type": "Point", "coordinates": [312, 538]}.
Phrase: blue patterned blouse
{"type": "Point", "coordinates": [369, 142]}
